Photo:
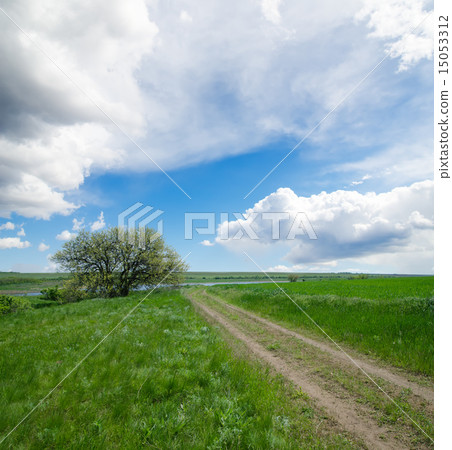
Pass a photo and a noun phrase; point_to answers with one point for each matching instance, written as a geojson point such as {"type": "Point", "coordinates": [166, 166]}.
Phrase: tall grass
{"type": "Point", "coordinates": [163, 379]}
{"type": "Point", "coordinates": [388, 318]}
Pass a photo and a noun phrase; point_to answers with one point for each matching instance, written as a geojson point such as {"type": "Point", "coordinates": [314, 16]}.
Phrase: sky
{"type": "Point", "coordinates": [276, 119]}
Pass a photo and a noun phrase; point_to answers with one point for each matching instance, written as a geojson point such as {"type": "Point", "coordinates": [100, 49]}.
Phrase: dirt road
{"type": "Point", "coordinates": [354, 392]}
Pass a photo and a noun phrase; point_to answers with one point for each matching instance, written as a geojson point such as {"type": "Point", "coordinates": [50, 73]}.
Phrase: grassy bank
{"type": "Point", "coordinates": [390, 318]}
{"type": "Point", "coordinates": [163, 379]}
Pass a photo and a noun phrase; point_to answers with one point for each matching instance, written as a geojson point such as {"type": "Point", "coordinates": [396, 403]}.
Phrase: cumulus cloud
{"type": "Point", "coordinates": [13, 242]}
{"type": "Point", "coordinates": [406, 24]}
{"type": "Point", "coordinates": [99, 223]}
{"type": "Point", "coordinates": [52, 135]}
{"type": "Point", "coordinates": [21, 232]}
{"type": "Point", "coordinates": [270, 10]}
{"type": "Point", "coordinates": [347, 224]}
{"type": "Point", "coordinates": [51, 266]}
{"type": "Point", "coordinates": [65, 235]}
{"type": "Point", "coordinates": [207, 243]}
{"type": "Point", "coordinates": [7, 226]}
{"type": "Point", "coordinates": [30, 196]}
{"type": "Point", "coordinates": [149, 71]}
{"type": "Point", "coordinates": [43, 247]}
{"type": "Point", "coordinates": [77, 224]}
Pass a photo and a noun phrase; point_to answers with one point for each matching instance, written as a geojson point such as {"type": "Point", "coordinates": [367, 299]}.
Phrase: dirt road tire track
{"type": "Point", "coordinates": [364, 428]}
{"type": "Point", "coordinates": [371, 369]}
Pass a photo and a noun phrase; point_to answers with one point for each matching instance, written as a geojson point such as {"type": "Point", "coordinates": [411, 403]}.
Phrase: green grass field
{"type": "Point", "coordinates": [13, 282]}
{"type": "Point", "coordinates": [389, 318]}
{"type": "Point", "coordinates": [230, 277]}
{"type": "Point", "coordinates": [163, 379]}
{"type": "Point", "coordinates": [167, 379]}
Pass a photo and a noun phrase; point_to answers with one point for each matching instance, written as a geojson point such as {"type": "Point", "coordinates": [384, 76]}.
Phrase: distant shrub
{"type": "Point", "coordinates": [71, 292]}
{"type": "Point", "coordinates": [360, 276]}
{"type": "Point", "coordinates": [10, 304]}
{"type": "Point", "coordinates": [292, 278]}
{"type": "Point", "coordinates": [52, 293]}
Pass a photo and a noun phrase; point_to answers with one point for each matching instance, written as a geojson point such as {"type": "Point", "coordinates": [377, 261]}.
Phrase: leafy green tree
{"type": "Point", "coordinates": [292, 277]}
{"type": "Point", "coordinates": [112, 262]}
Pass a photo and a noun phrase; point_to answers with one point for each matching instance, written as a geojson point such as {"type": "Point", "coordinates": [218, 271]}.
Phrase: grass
{"type": "Point", "coordinates": [337, 379]}
{"type": "Point", "coordinates": [163, 379]}
{"type": "Point", "coordinates": [13, 282]}
{"type": "Point", "coordinates": [231, 277]}
{"type": "Point", "coordinates": [389, 318]}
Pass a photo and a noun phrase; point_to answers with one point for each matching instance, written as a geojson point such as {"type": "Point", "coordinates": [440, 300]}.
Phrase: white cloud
{"type": "Point", "coordinates": [270, 10]}
{"type": "Point", "coordinates": [43, 247]}
{"type": "Point", "coordinates": [391, 163]}
{"type": "Point", "coordinates": [207, 243]}
{"type": "Point", "coordinates": [7, 226]}
{"type": "Point", "coordinates": [51, 266]}
{"type": "Point", "coordinates": [406, 24]}
{"type": "Point", "coordinates": [52, 136]}
{"type": "Point", "coordinates": [77, 224]}
{"type": "Point", "coordinates": [99, 223]}
{"type": "Point", "coordinates": [32, 197]}
{"type": "Point", "coordinates": [361, 181]}
{"type": "Point", "coordinates": [13, 242]}
{"type": "Point", "coordinates": [349, 226]}
{"type": "Point", "coordinates": [165, 83]}
{"type": "Point", "coordinates": [65, 235]}
{"type": "Point", "coordinates": [284, 268]}
{"type": "Point", "coordinates": [319, 267]}
{"type": "Point", "coordinates": [21, 232]}
{"type": "Point", "coordinates": [185, 17]}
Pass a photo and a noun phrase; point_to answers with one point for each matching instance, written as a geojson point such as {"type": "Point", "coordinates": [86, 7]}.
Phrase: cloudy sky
{"type": "Point", "coordinates": [187, 107]}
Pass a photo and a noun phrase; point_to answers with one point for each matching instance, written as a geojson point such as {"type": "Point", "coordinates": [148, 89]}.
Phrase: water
{"type": "Point", "coordinates": [26, 294]}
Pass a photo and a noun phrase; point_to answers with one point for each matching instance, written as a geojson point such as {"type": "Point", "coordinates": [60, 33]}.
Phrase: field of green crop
{"type": "Point", "coordinates": [163, 379]}
{"type": "Point", "coordinates": [388, 318]}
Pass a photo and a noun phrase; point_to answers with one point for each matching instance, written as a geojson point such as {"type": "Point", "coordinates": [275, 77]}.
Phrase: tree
{"type": "Point", "coordinates": [113, 261]}
{"type": "Point", "coordinates": [292, 277]}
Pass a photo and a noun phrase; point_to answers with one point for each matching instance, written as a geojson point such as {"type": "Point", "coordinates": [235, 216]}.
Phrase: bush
{"type": "Point", "coordinates": [361, 276]}
{"type": "Point", "coordinates": [52, 293]}
{"type": "Point", "coordinates": [71, 292]}
{"type": "Point", "coordinates": [10, 304]}
{"type": "Point", "coordinates": [292, 278]}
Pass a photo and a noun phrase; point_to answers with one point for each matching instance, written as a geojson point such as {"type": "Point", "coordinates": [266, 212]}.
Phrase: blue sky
{"type": "Point", "coordinates": [217, 95]}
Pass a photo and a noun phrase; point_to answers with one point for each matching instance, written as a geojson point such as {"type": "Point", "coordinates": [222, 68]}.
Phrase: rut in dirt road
{"type": "Point", "coordinates": [351, 412]}
{"type": "Point", "coordinates": [368, 367]}
{"type": "Point", "coordinates": [364, 428]}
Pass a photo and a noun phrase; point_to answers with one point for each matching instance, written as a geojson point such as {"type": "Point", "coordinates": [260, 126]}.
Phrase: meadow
{"type": "Point", "coordinates": [230, 277]}
{"type": "Point", "coordinates": [164, 378]}
{"type": "Point", "coordinates": [387, 318]}
{"type": "Point", "coordinates": [14, 282]}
